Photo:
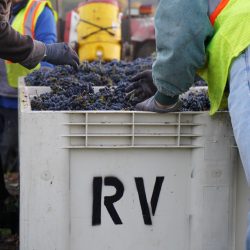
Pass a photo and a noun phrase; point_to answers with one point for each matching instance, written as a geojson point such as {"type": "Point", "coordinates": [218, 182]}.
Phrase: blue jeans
{"type": "Point", "coordinates": [239, 109]}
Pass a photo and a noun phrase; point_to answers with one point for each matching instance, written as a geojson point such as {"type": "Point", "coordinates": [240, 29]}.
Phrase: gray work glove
{"type": "Point", "coordinates": [60, 54]}
{"type": "Point", "coordinates": [142, 85]}
{"type": "Point", "coordinates": [152, 106]}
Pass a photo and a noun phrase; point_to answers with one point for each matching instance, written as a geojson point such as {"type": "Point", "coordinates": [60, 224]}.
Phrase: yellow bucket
{"type": "Point", "coordinates": [99, 30]}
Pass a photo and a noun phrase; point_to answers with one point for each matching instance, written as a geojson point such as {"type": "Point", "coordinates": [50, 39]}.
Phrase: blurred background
{"type": "Point", "coordinates": [107, 29]}
{"type": "Point", "coordinates": [66, 5]}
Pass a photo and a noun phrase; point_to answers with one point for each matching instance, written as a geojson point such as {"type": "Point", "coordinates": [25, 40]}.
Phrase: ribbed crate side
{"type": "Point", "coordinates": [63, 152]}
{"type": "Point", "coordinates": [44, 177]}
{"type": "Point", "coordinates": [212, 185]}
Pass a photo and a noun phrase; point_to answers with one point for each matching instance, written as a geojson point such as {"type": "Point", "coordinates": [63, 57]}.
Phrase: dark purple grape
{"type": "Point", "coordinates": [74, 90]}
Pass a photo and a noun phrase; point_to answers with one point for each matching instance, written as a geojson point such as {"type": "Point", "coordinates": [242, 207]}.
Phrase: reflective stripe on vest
{"type": "Point", "coordinates": [29, 17]}
{"type": "Point", "coordinates": [220, 6]}
{"type": "Point", "coordinates": [25, 23]}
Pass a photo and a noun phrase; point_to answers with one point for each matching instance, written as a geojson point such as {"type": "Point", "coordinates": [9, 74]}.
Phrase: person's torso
{"type": "Point", "coordinates": [23, 21]}
{"type": "Point", "coordinates": [231, 21]}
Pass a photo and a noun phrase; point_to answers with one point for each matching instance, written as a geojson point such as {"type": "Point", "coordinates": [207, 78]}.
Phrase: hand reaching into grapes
{"type": "Point", "coordinates": [142, 85]}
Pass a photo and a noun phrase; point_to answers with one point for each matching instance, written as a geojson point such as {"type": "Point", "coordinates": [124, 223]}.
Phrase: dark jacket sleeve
{"type": "Point", "coordinates": [15, 47]}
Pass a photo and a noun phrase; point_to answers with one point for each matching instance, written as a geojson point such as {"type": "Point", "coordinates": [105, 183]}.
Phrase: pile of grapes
{"type": "Point", "coordinates": [97, 86]}
{"type": "Point", "coordinates": [196, 99]}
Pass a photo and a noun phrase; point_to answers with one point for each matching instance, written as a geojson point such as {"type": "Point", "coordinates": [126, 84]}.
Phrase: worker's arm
{"type": "Point", "coordinates": [15, 47]}
{"type": "Point", "coordinates": [182, 30]}
{"type": "Point", "coordinates": [28, 52]}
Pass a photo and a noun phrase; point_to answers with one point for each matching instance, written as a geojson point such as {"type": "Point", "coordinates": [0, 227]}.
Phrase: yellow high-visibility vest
{"type": "Point", "coordinates": [232, 37]}
{"type": "Point", "coordinates": [25, 23]}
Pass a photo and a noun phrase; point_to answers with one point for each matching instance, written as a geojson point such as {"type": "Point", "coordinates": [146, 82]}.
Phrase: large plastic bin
{"type": "Point", "coordinates": [129, 180]}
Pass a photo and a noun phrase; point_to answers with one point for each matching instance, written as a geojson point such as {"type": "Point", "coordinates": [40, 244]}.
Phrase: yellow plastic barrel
{"type": "Point", "coordinates": [99, 30]}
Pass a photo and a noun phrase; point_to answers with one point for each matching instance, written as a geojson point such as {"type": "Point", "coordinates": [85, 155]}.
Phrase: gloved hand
{"type": "Point", "coordinates": [142, 85]}
{"type": "Point", "coordinates": [60, 54]}
{"type": "Point", "coordinates": [153, 106]}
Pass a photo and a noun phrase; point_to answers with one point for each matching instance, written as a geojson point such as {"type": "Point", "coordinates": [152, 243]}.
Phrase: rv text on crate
{"type": "Point", "coordinates": [100, 182]}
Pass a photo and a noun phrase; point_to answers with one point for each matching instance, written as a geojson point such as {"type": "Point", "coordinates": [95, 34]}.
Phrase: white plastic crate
{"type": "Point", "coordinates": [129, 180]}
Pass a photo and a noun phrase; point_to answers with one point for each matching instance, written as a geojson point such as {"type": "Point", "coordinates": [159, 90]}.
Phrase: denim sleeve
{"type": "Point", "coordinates": [45, 30]}
{"type": "Point", "coordinates": [182, 31]}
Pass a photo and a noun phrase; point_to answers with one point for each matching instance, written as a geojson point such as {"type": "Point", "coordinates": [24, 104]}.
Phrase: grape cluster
{"type": "Point", "coordinates": [196, 99]}
{"type": "Point", "coordinates": [75, 90]}
{"type": "Point", "coordinates": [97, 73]}
{"type": "Point", "coordinates": [200, 83]}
